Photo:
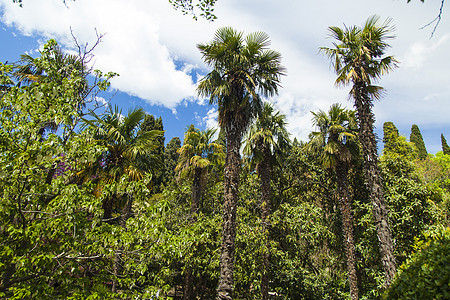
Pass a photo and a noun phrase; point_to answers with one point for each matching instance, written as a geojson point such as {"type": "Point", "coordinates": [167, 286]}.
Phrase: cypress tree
{"type": "Point", "coordinates": [390, 136]}
{"type": "Point", "coordinates": [171, 159]}
{"type": "Point", "coordinates": [416, 138]}
{"type": "Point", "coordinates": [150, 123]}
{"type": "Point", "coordinates": [445, 147]}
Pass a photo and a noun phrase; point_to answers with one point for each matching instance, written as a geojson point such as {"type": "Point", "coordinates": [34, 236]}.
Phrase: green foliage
{"type": "Point", "coordinates": [426, 273]}
{"type": "Point", "coordinates": [46, 215]}
{"type": "Point", "coordinates": [336, 140]}
{"type": "Point", "coordinates": [149, 124]}
{"type": "Point", "coordinates": [390, 137]}
{"type": "Point", "coordinates": [445, 147]}
{"type": "Point", "coordinates": [205, 6]}
{"type": "Point", "coordinates": [242, 67]}
{"type": "Point", "coordinates": [267, 137]}
{"type": "Point", "coordinates": [417, 140]}
{"type": "Point", "coordinates": [171, 159]}
{"type": "Point", "coordinates": [395, 144]}
{"type": "Point", "coordinates": [56, 177]}
{"type": "Point", "coordinates": [357, 57]}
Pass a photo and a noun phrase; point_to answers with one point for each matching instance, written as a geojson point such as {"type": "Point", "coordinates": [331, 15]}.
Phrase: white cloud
{"type": "Point", "coordinates": [153, 48]}
{"type": "Point", "coordinates": [131, 45]}
{"type": "Point", "coordinates": [421, 52]}
{"type": "Point", "coordinates": [210, 120]}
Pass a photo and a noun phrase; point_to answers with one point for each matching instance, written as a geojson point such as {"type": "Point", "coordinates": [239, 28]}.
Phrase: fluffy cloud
{"type": "Point", "coordinates": [153, 48]}
{"type": "Point", "coordinates": [131, 44]}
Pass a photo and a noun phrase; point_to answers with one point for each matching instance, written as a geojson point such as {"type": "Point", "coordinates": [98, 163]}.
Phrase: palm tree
{"type": "Point", "coordinates": [357, 60]}
{"type": "Point", "coordinates": [129, 152]}
{"type": "Point", "coordinates": [266, 141]}
{"type": "Point", "coordinates": [336, 143]}
{"type": "Point", "coordinates": [242, 67]}
{"type": "Point", "coordinates": [197, 155]}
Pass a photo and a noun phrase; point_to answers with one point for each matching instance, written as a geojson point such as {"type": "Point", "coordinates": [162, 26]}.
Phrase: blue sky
{"type": "Point", "coordinates": [153, 48]}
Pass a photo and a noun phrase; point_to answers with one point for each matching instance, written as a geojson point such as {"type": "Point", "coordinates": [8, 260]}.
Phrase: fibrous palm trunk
{"type": "Point", "coordinates": [363, 104]}
{"type": "Point", "coordinates": [230, 200]}
{"type": "Point", "coordinates": [264, 172]}
{"type": "Point", "coordinates": [347, 227]}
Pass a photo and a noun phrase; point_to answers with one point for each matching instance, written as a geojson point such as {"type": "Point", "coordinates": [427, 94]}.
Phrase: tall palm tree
{"type": "Point", "coordinates": [197, 155]}
{"type": "Point", "coordinates": [336, 143]}
{"type": "Point", "coordinates": [357, 58]}
{"type": "Point", "coordinates": [243, 67]}
{"type": "Point", "coordinates": [266, 140]}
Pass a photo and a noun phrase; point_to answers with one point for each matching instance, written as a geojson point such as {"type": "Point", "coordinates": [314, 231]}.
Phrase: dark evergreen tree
{"type": "Point", "coordinates": [171, 159]}
{"type": "Point", "coordinates": [445, 147]}
{"type": "Point", "coordinates": [150, 123]}
{"type": "Point", "coordinates": [417, 140]}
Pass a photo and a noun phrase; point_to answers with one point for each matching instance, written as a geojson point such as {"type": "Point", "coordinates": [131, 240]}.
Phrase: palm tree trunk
{"type": "Point", "coordinates": [264, 173]}
{"type": "Point", "coordinates": [196, 190]}
{"type": "Point", "coordinates": [230, 200]}
{"type": "Point", "coordinates": [363, 105]}
{"type": "Point", "coordinates": [347, 228]}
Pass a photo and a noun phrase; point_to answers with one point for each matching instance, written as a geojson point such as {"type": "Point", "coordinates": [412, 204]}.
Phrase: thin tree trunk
{"type": "Point", "coordinates": [196, 191]}
{"type": "Point", "coordinates": [188, 290]}
{"type": "Point", "coordinates": [347, 228]}
{"type": "Point", "coordinates": [264, 173]}
{"type": "Point", "coordinates": [188, 285]}
{"type": "Point", "coordinates": [363, 104]}
{"type": "Point", "coordinates": [117, 268]}
{"type": "Point", "coordinates": [230, 200]}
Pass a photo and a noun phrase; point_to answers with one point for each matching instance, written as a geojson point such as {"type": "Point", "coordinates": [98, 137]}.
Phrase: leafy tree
{"type": "Point", "coordinates": [44, 247]}
{"type": "Point", "coordinates": [410, 200]}
{"type": "Point", "coordinates": [395, 143]}
{"type": "Point", "coordinates": [307, 261]}
{"type": "Point", "coordinates": [425, 275]}
{"type": "Point", "coordinates": [416, 138]}
{"type": "Point", "coordinates": [206, 7]}
{"type": "Point", "coordinates": [336, 142]}
{"type": "Point", "coordinates": [445, 147]}
{"type": "Point", "coordinates": [241, 68]}
{"type": "Point", "coordinates": [129, 153]}
{"type": "Point", "coordinates": [357, 60]}
{"type": "Point", "coordinates": [266, 141]}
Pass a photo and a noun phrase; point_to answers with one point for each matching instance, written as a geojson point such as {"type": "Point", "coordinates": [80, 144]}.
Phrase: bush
{"type": "Point", "coordinates": [426, 274]}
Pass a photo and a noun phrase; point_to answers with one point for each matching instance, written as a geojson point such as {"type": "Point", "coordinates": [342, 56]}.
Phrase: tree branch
{"type": "Point", "coordinates": [436, 20]}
